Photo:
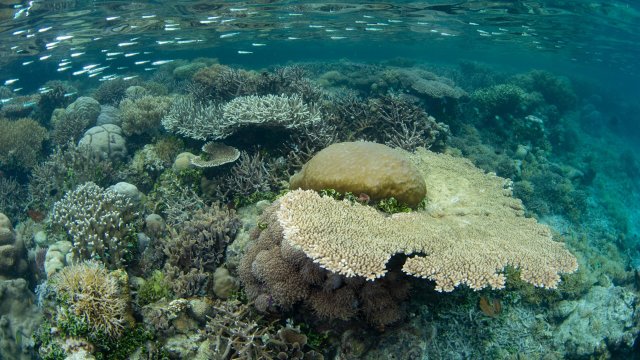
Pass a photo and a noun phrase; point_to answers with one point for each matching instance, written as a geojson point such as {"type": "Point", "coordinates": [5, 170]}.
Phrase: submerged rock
{"type": "Point", "coordinates": [604, 320]}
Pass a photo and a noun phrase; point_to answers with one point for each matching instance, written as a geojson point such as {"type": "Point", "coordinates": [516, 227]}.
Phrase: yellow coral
{"type": "Point", "coordinates": [472, 228]}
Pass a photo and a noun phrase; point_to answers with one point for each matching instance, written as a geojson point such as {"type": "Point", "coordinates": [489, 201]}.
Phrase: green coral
{"type": "Point", "coordinates": [21, 143]}
{"type": "Point", "coordinates": [387, 205]}
{"type": "Point", "coordinates": [144, 114]}
{"type": "Point", "coordinates": [501, 100]}
{"type": "Point", "coordinates": [154, 289]}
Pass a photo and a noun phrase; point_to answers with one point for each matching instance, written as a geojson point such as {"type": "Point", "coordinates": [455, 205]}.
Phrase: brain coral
{"type": "Point", "coordinates": [471, 229]}
{"type": "Point", "coordinates": [363, 167]}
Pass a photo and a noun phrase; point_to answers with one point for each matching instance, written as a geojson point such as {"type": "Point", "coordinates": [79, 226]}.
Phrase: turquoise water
{"type": "Point", "coordinates": [143, 143]}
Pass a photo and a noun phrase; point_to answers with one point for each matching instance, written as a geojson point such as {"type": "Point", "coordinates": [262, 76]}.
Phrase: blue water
{"type": "Point", "coordinates": [549, 100]}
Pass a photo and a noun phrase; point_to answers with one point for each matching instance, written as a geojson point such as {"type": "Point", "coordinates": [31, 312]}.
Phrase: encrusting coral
{"type": "Point", "coordinates": [472, 228]}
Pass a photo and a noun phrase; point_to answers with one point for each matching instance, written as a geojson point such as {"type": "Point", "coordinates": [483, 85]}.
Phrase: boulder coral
{"type": "Point", "coordinates": [363, 167]}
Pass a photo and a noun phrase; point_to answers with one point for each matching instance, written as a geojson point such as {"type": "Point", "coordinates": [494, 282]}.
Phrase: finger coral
{"type": "Point", "coordinates": [100, 223]}
{"type": "Point", "coordinates": [93, 296]}
{"type": "Point", "coordinates": [472, 228]}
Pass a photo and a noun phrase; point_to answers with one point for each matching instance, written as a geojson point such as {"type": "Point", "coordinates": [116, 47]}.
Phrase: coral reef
{"type": "Point", "coordinates": [13, 198]}
{"type": "Point", "coordinates": [57, 94]}
{"type": "Point", "coordinates": [89, 294]}
{"type": "Point", "coordinates": [99, 222]}
{"type": "Point", "coordinates": [191, 118]}
{"type": "Point", "coordinates": [233, 330]}
{"type": "Point", "coordinates": [12, 251]}
{"type": "Point", "coordinates": [604, 319]}
{"type": "Point", "coordinates": [270, 111]}
{"type": "Point", "coordinates": [222, 83]}
{"type": "Point", "coordinates": [111, 92]}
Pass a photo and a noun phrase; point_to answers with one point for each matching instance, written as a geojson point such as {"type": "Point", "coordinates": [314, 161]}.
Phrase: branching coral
{"type": "Point", "coordinates": [13, 197]}
{"type": "Point", "coordinates": [222, 83]}
{"type": "Point", "coordinates": [21, 142]}
{"type": "Point", "coordinates": [99, 222]}
{"type": "Point", "coordinates": [237, 333]}
{"type": "Point", "coordinates": [198, 248]}
{"type": "Point", "coordinates": [191, 118]}
{"type": "Point", "coordinates": [89, 294]}
{"type": "Point", "coordinates": [143, 114]}
{"type": "Point", "coordinates": [65, 169]}
{"type": "Point", "coordinates": [406, 125]}
{"type": "Point", "coordinates": [277, 276]}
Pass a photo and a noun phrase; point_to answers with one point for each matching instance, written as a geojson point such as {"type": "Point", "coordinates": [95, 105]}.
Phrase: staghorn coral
{"type": "Point", "coordinates": [222, 83]}
{"type": "Point", "coordinates": [250, 175]}
{"type": "Point", "coordinates": [405, 125]}
{"type": "Point", "coordinates": [472, 228]}
{"type": "Point", "coordinates": [270, 111]}
{"type": "Point", "coordinates": [277, 277]}
{"type": "Point", "coordinates": [21, 143]}
{"type": "Point", "coordinates": [89, 294]}
{"type": "Point", "coordinates": [99, 222]}
{"type": "Point", "coordinates": [191, 118]}
{"type": "Point", "coordinates": [143, 114]}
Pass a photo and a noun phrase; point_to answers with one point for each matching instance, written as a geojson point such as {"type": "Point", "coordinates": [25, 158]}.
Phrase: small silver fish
{"type": "Point", "coordinates": [224, 36]}
{"type": "Point", "coordinates": [244, 52]}
{"type": "Point", "coordinates": [10, 81]}
{"type": "Point", "coordinates": [161, 62]}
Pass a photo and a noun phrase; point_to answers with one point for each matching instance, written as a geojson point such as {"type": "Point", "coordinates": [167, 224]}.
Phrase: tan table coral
{"type": "Point", "coordinates": [471, 229]}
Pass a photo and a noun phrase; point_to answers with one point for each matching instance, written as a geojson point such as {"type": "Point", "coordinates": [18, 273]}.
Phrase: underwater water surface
{"type": "Point", "coordinates": [319, 180]}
